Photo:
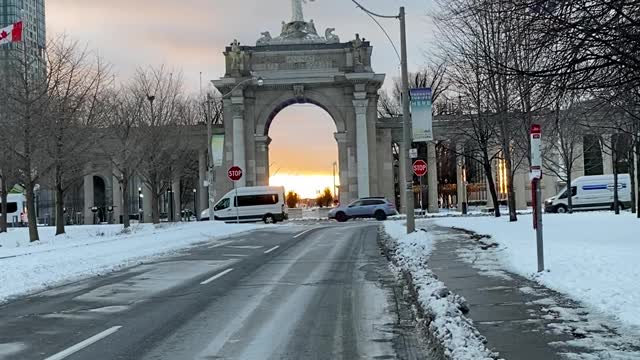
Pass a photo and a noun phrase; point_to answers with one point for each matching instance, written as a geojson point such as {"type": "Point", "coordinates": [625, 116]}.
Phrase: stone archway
{"type": "Point", "coordinates": [302, 67]}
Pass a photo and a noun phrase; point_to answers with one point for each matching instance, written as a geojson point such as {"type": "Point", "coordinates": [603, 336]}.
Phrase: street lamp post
{"type": "Point", "coordinates": [406, 172]}
{"type": "Point", "coordinates": [211, 168]}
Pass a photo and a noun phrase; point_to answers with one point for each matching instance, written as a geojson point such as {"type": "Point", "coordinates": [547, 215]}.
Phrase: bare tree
{"type": "Point", "coordinates": [25, 91]}
{"type": "Point", "coordinates": [122, 123]}
{"type": "Point", "coordinates": [433, 75]}
{"type": "Point", "coordinates": [161, 114]}
{"type": "Point", "coordinates": [79, 79]}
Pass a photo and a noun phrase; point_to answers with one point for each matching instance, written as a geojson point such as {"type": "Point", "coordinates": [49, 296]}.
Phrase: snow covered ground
{"type": "Point", "coordinates": [86, 251]}
{"type": "Point", "coordinates": [460, 339]}
{"type": "Point", "coordinates": [592, 257]}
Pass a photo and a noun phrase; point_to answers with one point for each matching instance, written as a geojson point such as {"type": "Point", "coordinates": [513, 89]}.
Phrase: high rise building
{"type": "Point", "coordinates": [31, 12]}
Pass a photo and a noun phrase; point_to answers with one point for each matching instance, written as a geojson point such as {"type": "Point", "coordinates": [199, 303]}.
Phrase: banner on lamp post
{"type": "Point", "coordinates": [421, 116]}
{"type": "Point", "coordinates": [217, 149]}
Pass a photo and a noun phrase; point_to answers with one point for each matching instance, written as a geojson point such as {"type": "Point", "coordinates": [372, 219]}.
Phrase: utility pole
{"type": "Point", "coordinates": [406, 171]}
{"type": "Point", "coordinates": [406, 126]}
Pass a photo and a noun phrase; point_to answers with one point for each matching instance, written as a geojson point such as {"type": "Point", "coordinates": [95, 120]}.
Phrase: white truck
{"type": "Point", "coordinates": [16, 210]}
{"type": "Point", "coordinates": [251, 204]}
{"type": "Point", "coordinates": [591, 193]}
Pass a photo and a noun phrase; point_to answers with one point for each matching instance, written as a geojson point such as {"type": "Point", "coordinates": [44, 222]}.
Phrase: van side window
{"type": "Point", "coordinates": [223, 204]}
{"type": "Point", "coordinates": [12, 207]}
{"type": "Point", "coordinates": [257, 200]}
{"type": "Point", "coordinates": [574, 191]}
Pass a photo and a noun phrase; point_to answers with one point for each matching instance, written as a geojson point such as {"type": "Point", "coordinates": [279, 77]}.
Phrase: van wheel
{"type": "Point", "coordinates": [341, 217]}
{"type": "Point", "coordinates": [269, 219]}
{"type": "Point", "coordinates": [562, 209]}
{"type": "Point", "coordinates": [380, 215]}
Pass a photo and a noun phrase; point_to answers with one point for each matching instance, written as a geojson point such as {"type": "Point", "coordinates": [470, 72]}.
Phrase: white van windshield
{"type": "Point", "coordinates": [222, 204]}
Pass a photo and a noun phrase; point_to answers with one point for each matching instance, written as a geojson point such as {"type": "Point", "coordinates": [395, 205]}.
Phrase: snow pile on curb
{"type": "Point", "coordinates": [591, 256]}
{"type": "Point", "coordinates": [443, 310]}
{"type": "Point", "coordinates": [87, 251]}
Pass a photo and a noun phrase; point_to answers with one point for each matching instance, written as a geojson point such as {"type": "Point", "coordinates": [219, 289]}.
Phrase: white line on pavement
{"type": "Point", "coordinates": [252, 247]}
{"type": "Point", "coordinates": [217, 276]}
{"type": "Point", "coordinates": [272, 249]}
{"type": "Point", "coordinates": [83, 344]}
{"type": "Point", "coordinates": [302, 233]}
{"type": "Point", "coordinates": [223, 243]}
{"type": "Point", "coordinates": [235, 255]}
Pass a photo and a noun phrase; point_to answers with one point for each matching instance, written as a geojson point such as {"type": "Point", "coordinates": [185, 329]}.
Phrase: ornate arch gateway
{"type": "Point", "coordinates": [302, 66]}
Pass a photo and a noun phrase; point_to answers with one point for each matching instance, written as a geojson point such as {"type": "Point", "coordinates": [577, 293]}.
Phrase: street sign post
{"type": "Point", "coordinates": [420, 168]}
{"type": "Point", "coordinates": [536, 186]}
{"type": "Point", "coordinates": [235, 174]}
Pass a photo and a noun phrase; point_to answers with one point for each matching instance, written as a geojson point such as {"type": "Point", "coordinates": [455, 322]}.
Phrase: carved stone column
{"type": "Point", "coordinates": [203, 191]}
{"type": "Point", "coordinates": [88, 199]}
{"type": "Point", "coordinates": [239, 151]}
{"type": "Point", "coordinates": [460, 180]}
{"type": "Point", "coordinates": [343, 163]}
{"type": "Point", "coordinates": [432, 178]}
{"type": "Point", "coordinates": [262, 159]}
{"type": "Point", "coordinates": [362, 142]}
{"type": "Point", "coordinates": [607, 156]}
{"type": "Point", "coordinates": [176, 202]}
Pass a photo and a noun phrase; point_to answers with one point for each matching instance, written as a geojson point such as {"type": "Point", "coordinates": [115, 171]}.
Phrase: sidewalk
{"type": "Point", "coordinates": [520, 318]}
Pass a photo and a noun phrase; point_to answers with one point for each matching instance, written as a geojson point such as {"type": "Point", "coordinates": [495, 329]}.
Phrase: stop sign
{"type": "Point", "coordinates": [420, 168]}
{"type": "Point", "coordinates": [234, 173]}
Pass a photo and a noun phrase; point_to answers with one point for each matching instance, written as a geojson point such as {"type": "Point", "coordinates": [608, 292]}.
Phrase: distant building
{"type": "Point", "coordinates": [31, 12]}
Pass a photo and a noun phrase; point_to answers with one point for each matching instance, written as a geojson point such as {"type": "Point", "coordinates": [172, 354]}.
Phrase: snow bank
{"type": "Point", "coordinates": [592, 257]}
{"type": "Point", "coordinates": [86, 251]}
{"type": "Point", "coordinates": [454, 331]}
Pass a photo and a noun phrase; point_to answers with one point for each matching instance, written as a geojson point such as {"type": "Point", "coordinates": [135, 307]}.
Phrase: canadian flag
{"type": "Point", "coordinates": [12, 33]}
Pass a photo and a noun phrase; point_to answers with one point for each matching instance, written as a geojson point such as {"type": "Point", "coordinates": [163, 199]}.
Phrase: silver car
{"type": "Point", "coordinates": [371, 207]}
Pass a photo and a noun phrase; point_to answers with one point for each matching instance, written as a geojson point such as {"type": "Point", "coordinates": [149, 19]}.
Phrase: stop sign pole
{"type": "Point", "coordinates": [420, 169]}
{"type": "Point", "coordinates": [536, 177]}
{"type": "Point", "coordinates": [235, 174]}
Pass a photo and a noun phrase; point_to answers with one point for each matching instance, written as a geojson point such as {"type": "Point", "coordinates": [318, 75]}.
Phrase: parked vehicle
{"type": "Point", "coordinates": [371, 207]}
{"type": "Point", "coordinates": [250, 204]}
{"type": "Point", "coordinates": [591, 193]}
{"type": "Point", "coordinates": [16, 210]}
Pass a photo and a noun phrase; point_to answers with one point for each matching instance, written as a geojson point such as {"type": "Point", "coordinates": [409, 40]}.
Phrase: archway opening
{"type": "Point", "coordinates": [100, 198]}
{"type": "Point", "coordinates": [303, 154]}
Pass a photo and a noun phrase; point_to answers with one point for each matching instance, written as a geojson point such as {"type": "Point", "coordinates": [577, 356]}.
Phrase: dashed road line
{"type": "Point", "coordinates": [217, 276]}
{"type": "Point", "coordinates": [223, 243]}
{"type": "Point", "coordinates": [272, 249]}
{"type": "Point", "coordinates": [83, 344]}
{"type": "Point", "coordinates": [302, 233]}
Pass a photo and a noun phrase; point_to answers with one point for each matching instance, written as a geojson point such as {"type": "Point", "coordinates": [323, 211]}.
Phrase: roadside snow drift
{"type": "Point", "coordinates": [592, 257]}
{"type": "Point", "coordinates": [86, 251]}
{"type": "Point", "coordinates": [456, 333]}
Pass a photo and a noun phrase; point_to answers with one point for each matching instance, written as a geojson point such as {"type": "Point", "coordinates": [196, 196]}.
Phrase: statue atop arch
{"type": "Point", "coordinates": [298, 31]}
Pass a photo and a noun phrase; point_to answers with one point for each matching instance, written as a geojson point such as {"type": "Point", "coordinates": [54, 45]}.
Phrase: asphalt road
{"type": "Point", "coordinates": [286, 292]}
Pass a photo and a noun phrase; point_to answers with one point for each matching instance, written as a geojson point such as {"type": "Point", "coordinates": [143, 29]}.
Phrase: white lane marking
{"type": "Point", "coordinates": [235, 255]}
{"type": "Point", "coordinates": [302, 233]}
{"type": "Point", "coordinates": [221, 244]}
{"type": "Point", "coordinates": [272, 249]}
{"type": "Point", "coordinates": [83, 344]}
{"type": "Point", "coordinates": [251, 247]}
{"type": "Point", "coordinates": [217, 276]}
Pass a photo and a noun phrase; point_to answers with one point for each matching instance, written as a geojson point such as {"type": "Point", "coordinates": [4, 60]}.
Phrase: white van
{"type": "Point", "coordinates": [257, 203]}
{"type": "Point", "coordinates": [16, 210]}
{"type": "Point", "coordinates": [592, 193]}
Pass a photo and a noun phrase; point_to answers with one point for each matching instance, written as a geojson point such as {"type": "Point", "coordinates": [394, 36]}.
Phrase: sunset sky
{"type": "Point", "coordinates": [190, 35]}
